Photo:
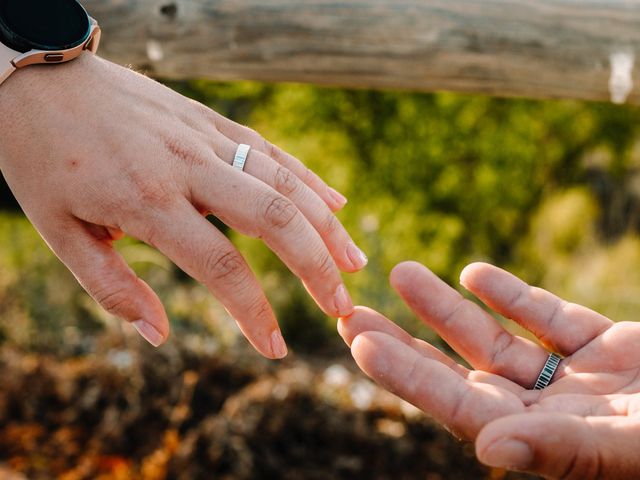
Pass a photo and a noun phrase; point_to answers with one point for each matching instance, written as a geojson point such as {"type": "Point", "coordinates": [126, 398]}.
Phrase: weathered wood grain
{"type": "Point", "coordinates": [533, 48]}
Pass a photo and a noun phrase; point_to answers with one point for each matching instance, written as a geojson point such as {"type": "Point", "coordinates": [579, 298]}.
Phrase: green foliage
{"type": "Point", "coordinates": [36, 292]}
{"type": "Point", "coordinates": [547, 189]}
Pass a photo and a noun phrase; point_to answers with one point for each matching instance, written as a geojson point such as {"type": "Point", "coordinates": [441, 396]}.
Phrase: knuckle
{"type": "Point", "coordinates": [279, 212]}
{"type": "Point", "coordinates": [148, 233]}
{"type": "Point", "coordinates": [285, 181]}
{"type": "Point", "coordinates": [324, 264]}
{"type": "Point", "coordinates": [412, 380]}
{"type": "Point", "coordinates": [245, 134]}
{"type": "Point", "coordinates": [182, 150]}
{"type": "Point", "coordinates": [259, 309]}
{"type": "Point", "coordinates": [518, 297]}
{"type": "Point", "coordinates": [112, 297]}
{"type": "Point", "coordinates": [251, 134]}
{"type": "Point", "coordinates": [330, 224]}
{"type": "Point", "coordinates": [454, 314]}
{"type": "Point", "coordinates": [228, 266]}
{"type": "Point", "coordinates": [199, 113]}
{"type": "Point", "coordinates": [308, 176]}
{"type": "Point", "coordinates": [313, 180]}
{"type": "Point", "coordinates": [558, 311]}
{"type": "Point", "coordinates": [151, 191]}
{"type": "Point", "coordinates": [500, 345]}
{"type": "Point", "coordinates": [547, 336]}
{"type": "Point", "coordinates": [206, 112]}
{"type": "Point", "coordinates": [459, 411]}
{"type": "Point", "coordinates": [270, 149]}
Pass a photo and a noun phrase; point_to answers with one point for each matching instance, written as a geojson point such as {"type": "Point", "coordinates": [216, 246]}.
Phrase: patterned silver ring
{"type": "Point", "coordinates": [241, 156]}
{"type": "Point", "coordinates": [550, 366]}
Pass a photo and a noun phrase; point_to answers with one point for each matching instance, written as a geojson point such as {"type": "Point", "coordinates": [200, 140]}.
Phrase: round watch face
{"type": "Point", "coordinates": [43, 24]}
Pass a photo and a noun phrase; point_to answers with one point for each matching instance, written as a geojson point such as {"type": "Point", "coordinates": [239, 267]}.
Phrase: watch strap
{"type": "Point", "coordinates": [6, 65]}
{"type": "Point", "coordinates": [11, 60]}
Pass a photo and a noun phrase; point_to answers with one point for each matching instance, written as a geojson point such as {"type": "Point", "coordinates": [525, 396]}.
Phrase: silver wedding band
{"type": "Point", "coordinates": [240, 157]}
{"type": "Point", "coordinates": [547, 372]}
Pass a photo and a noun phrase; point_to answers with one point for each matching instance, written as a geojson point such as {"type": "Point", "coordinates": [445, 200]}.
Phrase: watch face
{"type": "Point", "coordinates": [43, 24]}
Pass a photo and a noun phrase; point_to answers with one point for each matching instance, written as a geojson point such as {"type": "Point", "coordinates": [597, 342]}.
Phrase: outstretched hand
{"type": "Point", "coordinates": [93, 151]}
{"type": "Point", "coordinates": [584, 425]}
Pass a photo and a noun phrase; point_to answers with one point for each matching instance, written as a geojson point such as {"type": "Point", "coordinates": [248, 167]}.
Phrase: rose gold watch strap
{"type": "Point", "coordinates": [6, 67]}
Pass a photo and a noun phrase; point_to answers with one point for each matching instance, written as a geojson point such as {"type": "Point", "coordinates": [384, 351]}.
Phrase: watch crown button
{"type": "Point", "coordinates": [53, 57]}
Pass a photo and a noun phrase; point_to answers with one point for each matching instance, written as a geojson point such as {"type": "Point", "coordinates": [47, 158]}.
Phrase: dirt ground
{"type": "Point", "coordinates": [176, 414]}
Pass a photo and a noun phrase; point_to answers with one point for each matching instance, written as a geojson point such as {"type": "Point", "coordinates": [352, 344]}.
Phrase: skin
{"type": "Point", "coordinates": [94, 151]}
{"type": "Point", "coordinates": [584, 425]}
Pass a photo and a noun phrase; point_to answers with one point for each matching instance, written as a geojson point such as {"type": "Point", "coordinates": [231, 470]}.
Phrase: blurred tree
{"type": "Point", "coordinates": [439, 178]}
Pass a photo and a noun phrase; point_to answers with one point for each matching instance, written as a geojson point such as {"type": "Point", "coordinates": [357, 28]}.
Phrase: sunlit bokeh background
{"type": "Point", "coordinates": [549, 190]}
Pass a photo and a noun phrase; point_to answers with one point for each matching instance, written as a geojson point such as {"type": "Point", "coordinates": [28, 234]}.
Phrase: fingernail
{"type": "Point", "coordinates": [343, 302]}
{"type": "Point", "coordinates": [278, 346]}
{"type": "Point", "coordinates": [357, 256]}
{"type": "Point", "coordinates": [508, 453]}
{"type": "Point", "coordinates": [149, 332]}
{"type": "Point", "coordinates": [337, 197]}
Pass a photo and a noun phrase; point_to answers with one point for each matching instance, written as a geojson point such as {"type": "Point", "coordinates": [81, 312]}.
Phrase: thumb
{"type": "Point", "coordinates": [563, 446]}
{"type": "Point", "coordinates": [104, 274]}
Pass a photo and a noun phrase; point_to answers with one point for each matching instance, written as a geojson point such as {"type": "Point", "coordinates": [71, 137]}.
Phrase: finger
{"type": "Point", "coordinates": [461, 406]}
{"type": "Point", "coordinates": [253, 208]}
{"type": "Point", "coordinates": [205, 254]}
{"type": "Point", "coordinates": [563, 327]}
{"type": "Point", "coordinates": [344, 251]}
{"type": "Point", "coordinates": [242, 134]}
{"type": "Point", "coordinates": [367, 320]}
{"type": "Point", "coordinates": [470, 331]}
{"type": "Point", "coordinates": [563, 446]}
{"type": "Point", "coordinates": [364, 319]}
{"type": "Point", "coordinates": [103, 273]}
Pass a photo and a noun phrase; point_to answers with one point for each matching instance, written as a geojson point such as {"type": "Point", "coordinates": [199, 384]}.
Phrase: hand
{"type": "Point", "coordinates": [93, 151]}
{"type": "Point", "coordinates": [584, 425]}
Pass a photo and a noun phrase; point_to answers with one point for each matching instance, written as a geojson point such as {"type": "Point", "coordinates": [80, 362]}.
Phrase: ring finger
{"type": "Point", "coordinates": [242, 134]}
{"type": "Point", "coordinates": [347, 255]}
{"type": "Point", "coordinates": [470, 331]}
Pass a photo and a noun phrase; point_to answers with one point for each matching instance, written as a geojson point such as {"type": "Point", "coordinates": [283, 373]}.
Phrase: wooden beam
{"type": "Point", "coordinates": [531, 48]}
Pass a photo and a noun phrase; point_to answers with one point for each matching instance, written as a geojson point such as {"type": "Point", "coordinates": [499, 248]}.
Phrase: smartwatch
{"type": "Point", "coordinates": [43, 31]}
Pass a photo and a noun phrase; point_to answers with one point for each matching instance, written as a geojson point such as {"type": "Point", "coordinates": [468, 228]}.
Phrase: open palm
{"type": "Point", "coordinates": [585, 424]}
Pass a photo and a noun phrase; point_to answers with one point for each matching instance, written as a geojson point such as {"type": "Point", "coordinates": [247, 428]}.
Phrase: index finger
{"type": "Point", "coordinates": [472, 332]}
